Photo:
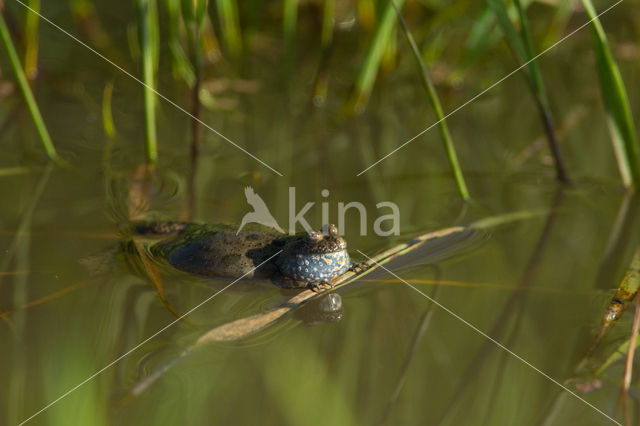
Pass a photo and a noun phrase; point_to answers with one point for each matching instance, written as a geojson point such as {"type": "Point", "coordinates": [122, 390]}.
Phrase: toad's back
{"type": "Point", "coordinates": [216, 250]}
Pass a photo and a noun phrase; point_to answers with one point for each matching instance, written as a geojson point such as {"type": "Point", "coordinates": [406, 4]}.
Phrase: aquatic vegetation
{"type": "Point", "coordinates": [369, 69]}
{"type": "Point", "coordinates": [624, 296]}
{"type": "Point", "coordinates": [289, 26]}
{"type": "Point", "coordinates": [320, 90]}
{"type": "Point", "coordinates": [31, 42]}
{"type": "Point", "coordinates": [148, 34]}
{"type": "Point", "coordinates": [27, 93]}
{"type": "Point", "coordinates": [230, 27]}
{"type": "Point", "coordinates": [191, 19]}
{"type": "Point", "coordinates": [522, 48]}
{"type": "Point", "coordinates": [107, 115]}
{"type": "Point", "coordinates": [435, 103]}
{"type": "Point", "coordinates": [181, 66]}
{"type": "Point", "coordinates": [616, 103]}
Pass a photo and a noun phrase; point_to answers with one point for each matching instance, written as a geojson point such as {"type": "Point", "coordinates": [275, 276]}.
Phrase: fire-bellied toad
{"type": "Point", "coordinates": [306, 260]}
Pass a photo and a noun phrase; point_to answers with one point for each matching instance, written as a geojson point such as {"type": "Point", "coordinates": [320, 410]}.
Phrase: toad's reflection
{"type": "Point", "coordinates": [321, 310]}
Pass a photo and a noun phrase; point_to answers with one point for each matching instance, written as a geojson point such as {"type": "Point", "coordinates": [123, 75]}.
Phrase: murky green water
{"type": "Point", "coordinates": [538, 285]}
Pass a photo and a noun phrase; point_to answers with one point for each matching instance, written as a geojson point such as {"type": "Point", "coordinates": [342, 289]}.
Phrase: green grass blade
{"type": "Point", "coordinates": [180, 64]}
{"type": "Point", "coordinates": [435, 103]}
{"type": "Point", "coordinates": [511, 34]}
{"type": "Point", "coordinates": [617, 356]}
{"type": "Point", "coordinates": [616, 103]}
{"type": "Point", "coordinates": [328, 18]}
{"type": "Point", "coordinates": [389, 55]}
{"type": "Point", "coordinates": [522, 47]}
{"type": "Point", "coordinates": [561, 16]}
{"type": "Point", "coordinates": [31, 40]}
{"type": "Point", "coordinates": [541, 98]}
{"type": "Point", "coordinates": [195, 18]}
{"type": "Point", "coordinates": [230, 26]}
{"type": "Point", "coordinates": [532, 66]}
{"type": "Point", "coordinates": [27, 93]}
{"type": "Point", "coordinates": [483, 35]}
{"type": "Point", "coordinates": [369, 69]}
{"type": "Point", "coordinates": [12, 171]}
{"type": "Point", "coordinates": [148, 35]}
{"type": "Point", "coordinates": [289, 24]}
{"type": "Point", "coordinates": [367, 14]}
{"type": "Point", "coordinates": [107, 116]}
{"type": "Point", "coordinates": [321, 80]}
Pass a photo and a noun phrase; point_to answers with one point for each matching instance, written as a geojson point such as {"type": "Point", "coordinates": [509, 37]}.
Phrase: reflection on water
{"type": "Point", "coordinates": [71, 302]}
{"type": "Point", "coordinates": [535, 285]}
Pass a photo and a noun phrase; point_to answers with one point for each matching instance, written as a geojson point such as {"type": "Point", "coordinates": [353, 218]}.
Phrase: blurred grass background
{"type": "Point", "coordinates": [198, 39]}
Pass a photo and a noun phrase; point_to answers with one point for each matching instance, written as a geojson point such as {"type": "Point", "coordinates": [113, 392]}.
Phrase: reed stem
{"type": "Point", "coordinates": [289, 24]}
{"type": "Point", "coordinates": [147, 18]}
{"type": "Point", "coordinates": [542, 101]}
{"type": "Point", "coordinates": [435, 103]}
{"type": "Point", "coordinates": [31, 40]}
{"type": "Point", "coordinates": [27, 93]}
{"type": "Point", "coordinates": [616, 103]}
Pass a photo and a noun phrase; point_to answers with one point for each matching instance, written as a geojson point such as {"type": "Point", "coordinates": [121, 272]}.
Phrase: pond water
{"type": "Point", "coordinates": [71, 304]}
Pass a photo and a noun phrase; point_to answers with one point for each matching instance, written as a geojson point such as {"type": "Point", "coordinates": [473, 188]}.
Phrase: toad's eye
{"type": "Point", "coordinates": [331, 230]}
{"type": "Point", "coordinates": [314, 235]}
